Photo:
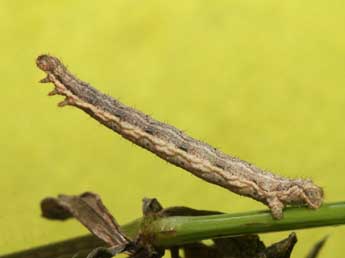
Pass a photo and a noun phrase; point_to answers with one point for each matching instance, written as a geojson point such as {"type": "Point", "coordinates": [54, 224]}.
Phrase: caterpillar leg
{"type": "Point", "coordinates": [276, 207]}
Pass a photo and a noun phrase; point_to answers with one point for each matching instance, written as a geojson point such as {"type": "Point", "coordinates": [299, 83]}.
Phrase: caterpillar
{"type": "Point", "coordinates": [178, 148]}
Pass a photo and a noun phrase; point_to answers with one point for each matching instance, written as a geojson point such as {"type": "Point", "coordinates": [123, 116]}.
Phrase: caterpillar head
{"type": "Point", "coordinates": [47, 63]}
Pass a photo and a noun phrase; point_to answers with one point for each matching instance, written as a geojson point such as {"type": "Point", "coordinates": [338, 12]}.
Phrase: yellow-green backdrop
{"type": "Point", "coordinates": [262, 80]}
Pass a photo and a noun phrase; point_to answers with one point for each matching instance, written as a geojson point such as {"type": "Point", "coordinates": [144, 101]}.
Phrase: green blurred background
{"type": "Point", "coordinates": [262, 80]}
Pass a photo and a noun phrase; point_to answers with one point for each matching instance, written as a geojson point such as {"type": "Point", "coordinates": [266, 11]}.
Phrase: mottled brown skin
{"type": "Point", "coordinates": [171, 144]}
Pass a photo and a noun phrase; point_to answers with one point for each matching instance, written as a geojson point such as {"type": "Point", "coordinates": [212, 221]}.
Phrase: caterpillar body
{"type": "Point", "coordinates": [176, 147]}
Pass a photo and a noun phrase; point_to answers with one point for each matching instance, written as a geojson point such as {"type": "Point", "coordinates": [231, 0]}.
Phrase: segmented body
{"type": "Point", "coordinates": [176, 147]}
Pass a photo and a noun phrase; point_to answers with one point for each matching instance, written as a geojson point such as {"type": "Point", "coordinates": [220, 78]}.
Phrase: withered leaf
{"type": "Point", "coordinates": [151, 206]}
{"type": "Point", "coordinates": [283, 248]}
{"type": "Point", "coordinates": [247, 246]}
{"type": "Point", "coordinates": [186, 211]}
{"type": "Point", "coordinates": [88, 209]}
{"type": "Point", "coordinates": [200, 250]}
{"type": "Point", "coordinates": [315, 251]}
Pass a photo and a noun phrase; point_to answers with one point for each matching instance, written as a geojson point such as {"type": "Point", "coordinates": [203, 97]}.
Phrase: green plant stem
{"type": "Point", "coordinates": [185, 229]}
{"type": "Point", "coordinates": [177, 230]}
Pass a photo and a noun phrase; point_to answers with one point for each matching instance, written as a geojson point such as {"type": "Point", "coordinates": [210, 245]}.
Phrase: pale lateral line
{"type": "Point", "coordinates": [160, 145]}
